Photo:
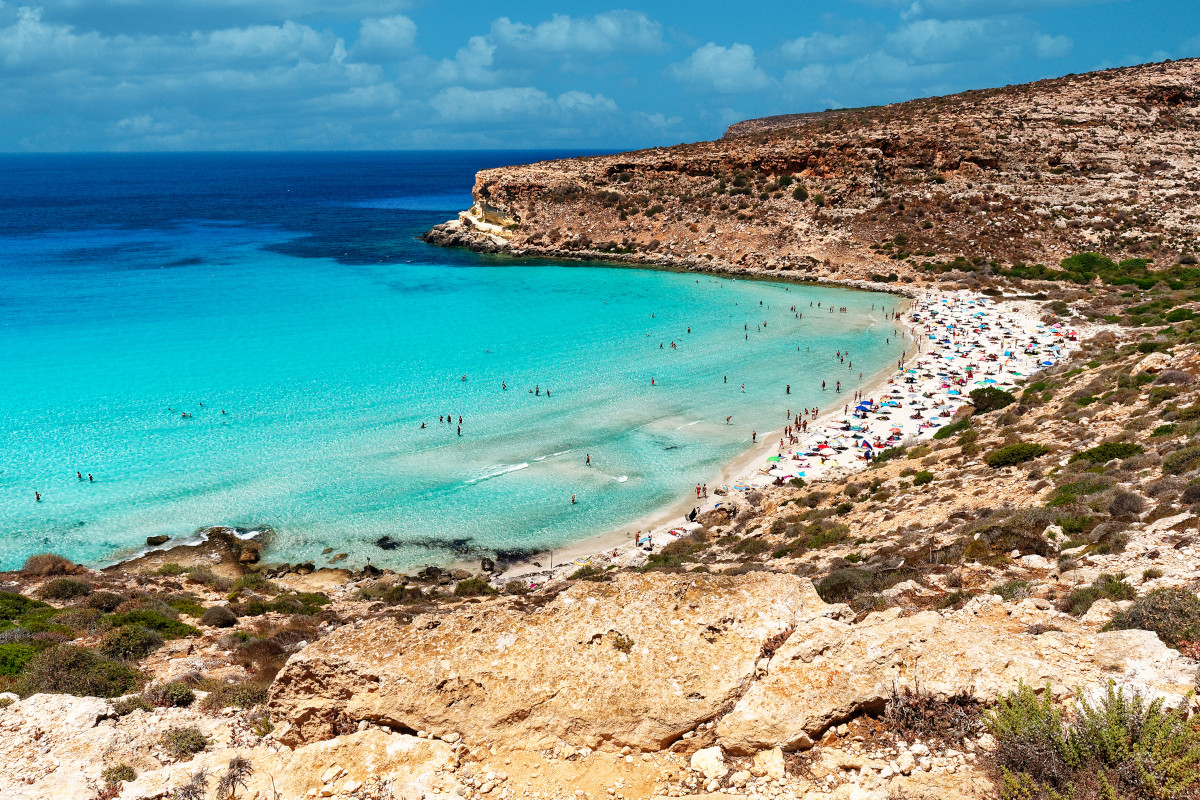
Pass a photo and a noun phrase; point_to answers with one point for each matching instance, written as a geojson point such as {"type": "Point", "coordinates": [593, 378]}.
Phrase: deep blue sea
{"type": "Point", "coordinates": [255, 340]}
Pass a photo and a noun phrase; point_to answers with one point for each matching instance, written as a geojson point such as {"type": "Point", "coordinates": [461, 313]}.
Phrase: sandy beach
{"type": "Point", "coordinates": [965, 342]}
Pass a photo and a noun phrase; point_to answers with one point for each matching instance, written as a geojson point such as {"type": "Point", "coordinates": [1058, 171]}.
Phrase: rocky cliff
{"type": "Point", "coordinates": [1023, 174]}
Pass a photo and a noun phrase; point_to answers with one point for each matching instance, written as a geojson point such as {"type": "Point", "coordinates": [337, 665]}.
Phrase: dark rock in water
{"type": "Point", "coordinates": [327, 551]}
{"type": "Point", "coordinates": [386, 543]}
{"type": "Point", "coordinates": [461, 574]}
{"type": "Point", "coordinates": [339, 557]}
{"type": "Point", "coordinates": [430, 573]}
{"type": "Point", "coordinates": [487, 565]}
{"type": "Point", "coordinates": [155, 541]}
{"type": "Point", "coordinates": [305, 569]}
{"type": "Point", "coordinates": [250, 553]}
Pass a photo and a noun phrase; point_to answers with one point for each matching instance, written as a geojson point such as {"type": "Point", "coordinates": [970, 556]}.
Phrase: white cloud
{"type": "Point", "coordinates": [728, 70]}
{"type": "Point", "coordinates": [938, 40]}
{"type": "Point", "coordinates": [517, 103]}
{"type": "Point", "coordinates": [1046, 46]}
{"type": "Point", "coordinates": [603, 34]}
{"type": "Point", "coordinates": [385, 39]}
{"type": "Point", "coordinates": [471, 64]}
{"type": "Point", "coordinates": [823, 46]}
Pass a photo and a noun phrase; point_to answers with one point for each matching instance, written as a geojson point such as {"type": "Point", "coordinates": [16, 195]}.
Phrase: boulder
{"type": "Point", "coordinates": [709, 762]}
{"type": "Point", "coordinates": [635, 662]}
{"type": "Point", "coordinates": [768, 764]}
{"type": "Point", "coordinates": [829, 671]}
{"type": "Point", "coordinates": [155, 541]}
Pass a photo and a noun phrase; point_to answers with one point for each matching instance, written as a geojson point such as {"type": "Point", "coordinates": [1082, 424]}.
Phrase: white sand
{"type": "Point", "coordinates": [966, 341]}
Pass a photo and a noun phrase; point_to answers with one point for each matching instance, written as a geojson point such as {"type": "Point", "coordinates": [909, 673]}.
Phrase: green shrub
{"type": "Point", "coordinates": [243, 694]}
{"type": "Point", "coordinates": [130, 642]}
{"type": "Point", "coordinates": [751, 546]}
{"type": "Point", "coordinates": [1174, 614]}
{"type": "Point", "coordinates": [67, 669]}
{"type": "Point", "coordinates": [15, 606]}
{"type": "Point", "coordinates": [953, 429]}
{"type": "Point", "coordinates": [181, 743]}
{"type": "Point", "coordinates": [171, 695]}
{"type": "Point", "coordinates": [117, 774]}
{"type": "Point", "coordinates": [154, 620]}
{"type": "Point", "coordinates": [843, 585]}
{"type": "Point", "coordinates": [1164, 430]}
{"type": "Point", "coordinates": [588, 572]}
{"type": "Point", "coordinates": [169, 570]}
{"type": "Point", "coordinates": [800, 193]}
{"type": "Point", "coordinates": [922, 478]}
{"type": "Point", "coordinates": [14, 657]}
{"type": "Point", "coordinates": [888, 454]}
{"type": "Point", "coordinates": [135, 702]}
{"type": "Point", "coordinates": [1016, 454]}
{"type": "Point", "coordinates": [219, 617]}
{"type": "Point", "coordinates": [64, 589]}
{"type": "Point", "coordinates": [1160, 393]}
{"type": "Point", "coordinates": [1104, 453]}
{"type": "Point", "coordinates": [185, 604]}
{"type": "Point", "coordinates": [1120, 747]}
{"type": "Point", "coordinates": [1105, 587]}
{"type": "Point", "coordinates": [1011, 590]}
{"type": "Point", "coordinates": [1182, 460]}
{"type": "Point", "coordinates": [473, 587]}
{"type": "Point", "coordinates": [1151, 573]}
{"type": "Point", "coordinates": [989, 398]}
{"type": "Point", "coordinates": [104, 601]}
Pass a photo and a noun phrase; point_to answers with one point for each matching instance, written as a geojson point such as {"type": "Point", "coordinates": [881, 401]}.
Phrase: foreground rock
{"type": "Point", "coordinates": [636, 662]}
{"type": "Point", "coordinates": [831, 671]}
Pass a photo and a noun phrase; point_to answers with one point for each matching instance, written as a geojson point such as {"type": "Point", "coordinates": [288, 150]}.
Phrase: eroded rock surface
{"type": "Point", "coordinates": [636, 662]}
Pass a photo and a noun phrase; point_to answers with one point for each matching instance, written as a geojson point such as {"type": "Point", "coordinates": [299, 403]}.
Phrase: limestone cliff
{"type": "Point", "coordinates": [1022, 174]}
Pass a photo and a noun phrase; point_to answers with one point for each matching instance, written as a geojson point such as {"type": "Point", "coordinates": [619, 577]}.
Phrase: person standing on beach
{"type": "Point", "coordinates": [754, 436]}
{"type": "Point", "coordinates": [704, 490]}
{"type": "Point", "coordinates": [587, 462]}
{"type": "Point", "coordinates": [572, 499]}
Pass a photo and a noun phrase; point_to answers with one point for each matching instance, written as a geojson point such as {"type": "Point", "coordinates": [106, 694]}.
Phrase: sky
{"type": "Point", "coordinates": [191, 75]}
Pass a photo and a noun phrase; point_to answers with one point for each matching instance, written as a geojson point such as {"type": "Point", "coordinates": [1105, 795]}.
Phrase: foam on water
{"type": "Point", "coordinates": [291, 298]}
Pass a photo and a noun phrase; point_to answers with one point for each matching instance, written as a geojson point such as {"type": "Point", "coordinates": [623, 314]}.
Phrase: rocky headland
{"type": "Point", "coordinates": [1007, 609]}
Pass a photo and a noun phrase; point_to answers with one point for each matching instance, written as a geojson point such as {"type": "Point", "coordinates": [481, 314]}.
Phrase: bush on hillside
{"type": "Point", "coordinates": [1119, 747]}
{"type": "Point", "coordinates": [1105, 587]}
{"type": "Point", "coordinates": [1107, 452]}
{"type": "Point", "coordinates": [64, 589]}
{"type": "Point", "coordinates": [154, 620]}
{"type": "Point", "coordinates": [473, 587]}
{"type": "Point", "coordinates": [14, 657]}
{"type": "Point", "coordinates": [953, 429]}
{"type": "Point", "coordinates": [130, 642]}
{"type": "Point", "coordinates": [45, 565]}
{"type": "Point", "coordinates": [219, 617]}
{"type": "Point", "coordinates": [989, 398]}
{"type": "Point", "coordinates": [67, 669]}
{"type": "Point", "coordinates": [1182, 460]}
{"type": "Point", "coordinates": [182, 743]}
{"type": "Point", "coordinates": [1174, 614]}
{"type": "Point", "coordinates": [1016, 454]}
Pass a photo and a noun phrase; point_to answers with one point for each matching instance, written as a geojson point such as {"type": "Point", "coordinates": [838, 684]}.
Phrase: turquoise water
{"type": "Point", "coordinates": [307, 363]}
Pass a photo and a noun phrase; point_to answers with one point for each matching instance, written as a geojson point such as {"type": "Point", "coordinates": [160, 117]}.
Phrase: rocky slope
{"type": "Point", "coordinates": [1024, 174]}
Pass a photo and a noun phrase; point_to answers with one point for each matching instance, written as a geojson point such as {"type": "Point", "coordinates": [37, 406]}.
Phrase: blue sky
{"type": "Point", "coordinates": [90, 75]}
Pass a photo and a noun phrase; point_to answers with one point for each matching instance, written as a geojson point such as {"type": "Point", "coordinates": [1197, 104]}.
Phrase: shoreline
{"type": "Point", "coordinates": [193, 542]}
{"type": "Point", "coordinates": [625, 555]}
{"type": "Point", "coordinates": [659, 521]}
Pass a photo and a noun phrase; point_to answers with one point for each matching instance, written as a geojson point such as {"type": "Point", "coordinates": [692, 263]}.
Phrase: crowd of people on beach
{"type": "Point", "coordinates": [963, 342]}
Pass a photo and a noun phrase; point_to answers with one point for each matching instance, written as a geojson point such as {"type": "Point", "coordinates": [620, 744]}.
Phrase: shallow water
{"type": "Point", "coordinates": [289, 296]}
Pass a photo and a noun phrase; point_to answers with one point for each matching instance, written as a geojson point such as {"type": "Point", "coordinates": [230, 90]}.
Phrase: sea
{"type": "Point", "coordinates": [262, 341]}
